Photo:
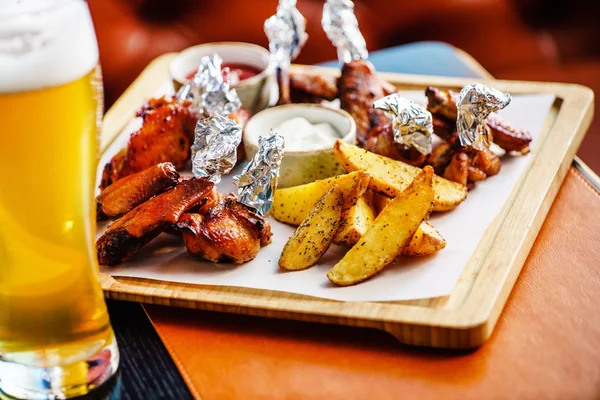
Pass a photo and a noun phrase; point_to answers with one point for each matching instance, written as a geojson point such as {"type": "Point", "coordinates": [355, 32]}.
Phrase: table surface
{"type": "Point", "coordinates": [147, 370]}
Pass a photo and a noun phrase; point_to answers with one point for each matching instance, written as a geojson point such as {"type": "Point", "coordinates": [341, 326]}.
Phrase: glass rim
{"type": "Point", "coordinates": [43, 8]}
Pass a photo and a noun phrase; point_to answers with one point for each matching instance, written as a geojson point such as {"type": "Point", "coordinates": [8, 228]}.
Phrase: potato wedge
{"type": "Point", "coordinates": [315, 234]}
{"type": "Point", "coordinates": [292, 205]}
{"type": "Point", "coordinates": [354, 223]}
{"type": "Point", "coordinates": [427, 240]}
{"type": "Point", "coordinates": [380, 201]}
{"type": "Point", "coordinates": [391, 177]}
{"type": "Point", "coordinates": [390, 233]}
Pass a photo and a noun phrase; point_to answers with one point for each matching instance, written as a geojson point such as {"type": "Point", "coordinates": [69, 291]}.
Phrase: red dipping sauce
{"type": "Point", "coordinates": [243, 71]}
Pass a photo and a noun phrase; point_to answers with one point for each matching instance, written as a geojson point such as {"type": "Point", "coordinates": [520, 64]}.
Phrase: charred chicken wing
{"type": "Point", "coordinates": [127, 235]}
{"type": "Point", "coordinates": [226, 232]}
{"type": "Point", "coordinates": [129, 192]}
{"type": "Point", "coordinates": [442, 105]}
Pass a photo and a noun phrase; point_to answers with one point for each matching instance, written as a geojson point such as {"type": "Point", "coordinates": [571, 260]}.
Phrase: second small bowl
{"type": "Point", "coordinates": [304, 166]}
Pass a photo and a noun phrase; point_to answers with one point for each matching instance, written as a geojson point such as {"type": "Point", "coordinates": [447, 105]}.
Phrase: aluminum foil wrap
{"type": "Point", "coordinates": [286, 31]}
{"type": "Point", "coordinates": [214, 149]}
{"type": "Point", "coordinates": [475, 103]}
{"type": "Point", "coordinates": [341, 26]}
{"type": "Point", "coordinates": [258, 181]}
{"type": "Point", "coordinates": [209, 92]}
{"type": "Point", "coordinates": [411, 122]}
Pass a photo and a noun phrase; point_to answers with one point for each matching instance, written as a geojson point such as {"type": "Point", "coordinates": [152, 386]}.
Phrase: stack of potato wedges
{"type": "Point", "coordinates": [378, 210]}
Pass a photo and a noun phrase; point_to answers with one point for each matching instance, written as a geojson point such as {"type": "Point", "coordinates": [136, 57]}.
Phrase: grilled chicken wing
{"type": "Point", "coordinates": [466, 165]}
{"type": "Point", "coordinates": [227, 232]}
{"type": "Point", "coordinates": [358, 88]}
{"type": "Point", "coordinates": [458, 169]}
{"type": "Point", "coordinates": [440, 157]}
{"type": "Point", "coordinates": [112, 170]}
{"type": "Point", "coordinates": [165, 136]}
{"type": "Point", "coordinates": [133, 190]}
{"type": "Point", "coordinates": [127, 235]}
{"type": "Point", "coordinates": [442, 104]}
{"type": "Point", "coordinates": [312, 87]}
{"type": "Point", "coordinates": [507, 136]}
{"type": "Point", "coordinates": [381, 141]}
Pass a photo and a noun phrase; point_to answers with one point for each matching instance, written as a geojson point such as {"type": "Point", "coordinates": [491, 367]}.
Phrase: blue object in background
{"type": "Point", "coordinates": [423, 58]}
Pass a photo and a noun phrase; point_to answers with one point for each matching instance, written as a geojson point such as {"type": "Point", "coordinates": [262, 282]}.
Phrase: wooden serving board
{"type": "Point", "coordinates": [465, 318]}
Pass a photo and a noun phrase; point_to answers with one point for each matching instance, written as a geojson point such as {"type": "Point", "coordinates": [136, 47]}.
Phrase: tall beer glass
{"type": "Point", "coordinates": [55, 336]}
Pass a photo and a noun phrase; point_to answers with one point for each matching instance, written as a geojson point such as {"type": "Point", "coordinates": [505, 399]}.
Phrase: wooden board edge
{"type": "Point", "coordinates": [449, 337]}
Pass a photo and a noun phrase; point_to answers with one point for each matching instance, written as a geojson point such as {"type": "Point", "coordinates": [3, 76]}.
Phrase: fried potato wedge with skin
{"type": "Point", "coordinates": [391, 232]}
{"type": "Point", "coordinates": [380, 201]}
{"type": "Point", "coordinates": [292, 205]}
{"type": "Point", "coordinates": [426, 241]}
{"type": "Point", "coordinates": [391, 177]}
{"type": "Point", "coordinates": [315, 234]}
{"type": "Point", "coordinates": [354, 223]}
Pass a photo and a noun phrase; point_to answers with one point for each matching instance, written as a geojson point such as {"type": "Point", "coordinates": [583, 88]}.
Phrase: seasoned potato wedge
{"type": "Point", "coordinates": [427, 240]}
{"type": "Point", "coordinates": [292, 205]}
{"type": "Point", "coordinates": [390, 233]}
{"type": "Point", "coordinates": [380, 201]}
{"type": "Point", "coordinates": [358, 219]}
{"type": "Point", "coordinates": [355, 223]}
{"type": "Point", "coordinates": [391, 177]}
{"type": "Point", "coordinates": [315, 234]}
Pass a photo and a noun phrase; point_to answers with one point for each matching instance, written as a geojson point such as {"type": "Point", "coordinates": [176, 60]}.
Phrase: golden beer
{"type": "Point", "coordinates": [52, 310]}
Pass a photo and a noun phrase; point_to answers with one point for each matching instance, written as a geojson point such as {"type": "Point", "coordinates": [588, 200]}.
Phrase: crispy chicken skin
{"type": "Point", "coordinates": [133, 190]}
{"type": "Point", "coordinates": [442, 105]}
{"type": "Point", "coordinates": [381, 141]}
{"type": "Point", "coordinates": [358, 88]}
{"type": "Point", "coordinates": [166, 135]}
{"type": "Point", "coordinates": [458, 169]}
{"type": "Point", "coordinates": [112, 170]}
{"type": "Point", "coordinates": [307, 85]}
{"type": "Point", "coordinates": [312, 87]}
{"type": "Point", "coordinates": [466, 165]}
{"type": "Point", "coordinates": [126, 236]}
{"type": "Point", "coordinates": [507, 136]}
{"type": "Point", "coordinates": [227, 232]}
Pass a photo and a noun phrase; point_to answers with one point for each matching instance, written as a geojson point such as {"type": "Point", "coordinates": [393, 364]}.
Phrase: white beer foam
{"type": "Point", "coordinates": [44, 43]}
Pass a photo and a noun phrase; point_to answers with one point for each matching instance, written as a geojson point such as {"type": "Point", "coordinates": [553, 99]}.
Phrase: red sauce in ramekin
{"type": "Point", "coordinates": [243, 71]}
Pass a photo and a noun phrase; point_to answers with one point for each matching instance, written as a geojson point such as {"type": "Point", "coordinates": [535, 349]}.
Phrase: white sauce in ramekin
{"type": "Point", "coordinates": [299, 134]}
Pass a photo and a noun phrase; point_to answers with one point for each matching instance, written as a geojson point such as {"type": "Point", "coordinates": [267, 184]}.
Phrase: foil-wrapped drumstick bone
{"type": "Point", "coordinates": [165, 136]}
{"type": "Point", "coordinates": [286, 31]}
{"type": "Point", "coordinates": [442, 104]}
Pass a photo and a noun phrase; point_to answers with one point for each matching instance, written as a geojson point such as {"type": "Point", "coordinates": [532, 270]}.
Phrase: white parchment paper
{"type": "Point", "coordinates": [166, 258]}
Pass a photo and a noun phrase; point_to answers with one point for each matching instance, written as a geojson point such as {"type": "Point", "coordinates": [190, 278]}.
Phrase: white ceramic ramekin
{"type": "Point", "coordinates": [300, 167]}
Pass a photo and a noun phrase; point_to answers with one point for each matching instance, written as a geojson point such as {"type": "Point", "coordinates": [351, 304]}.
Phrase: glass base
{"type": "Point", "coordinates": [64, 382]}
